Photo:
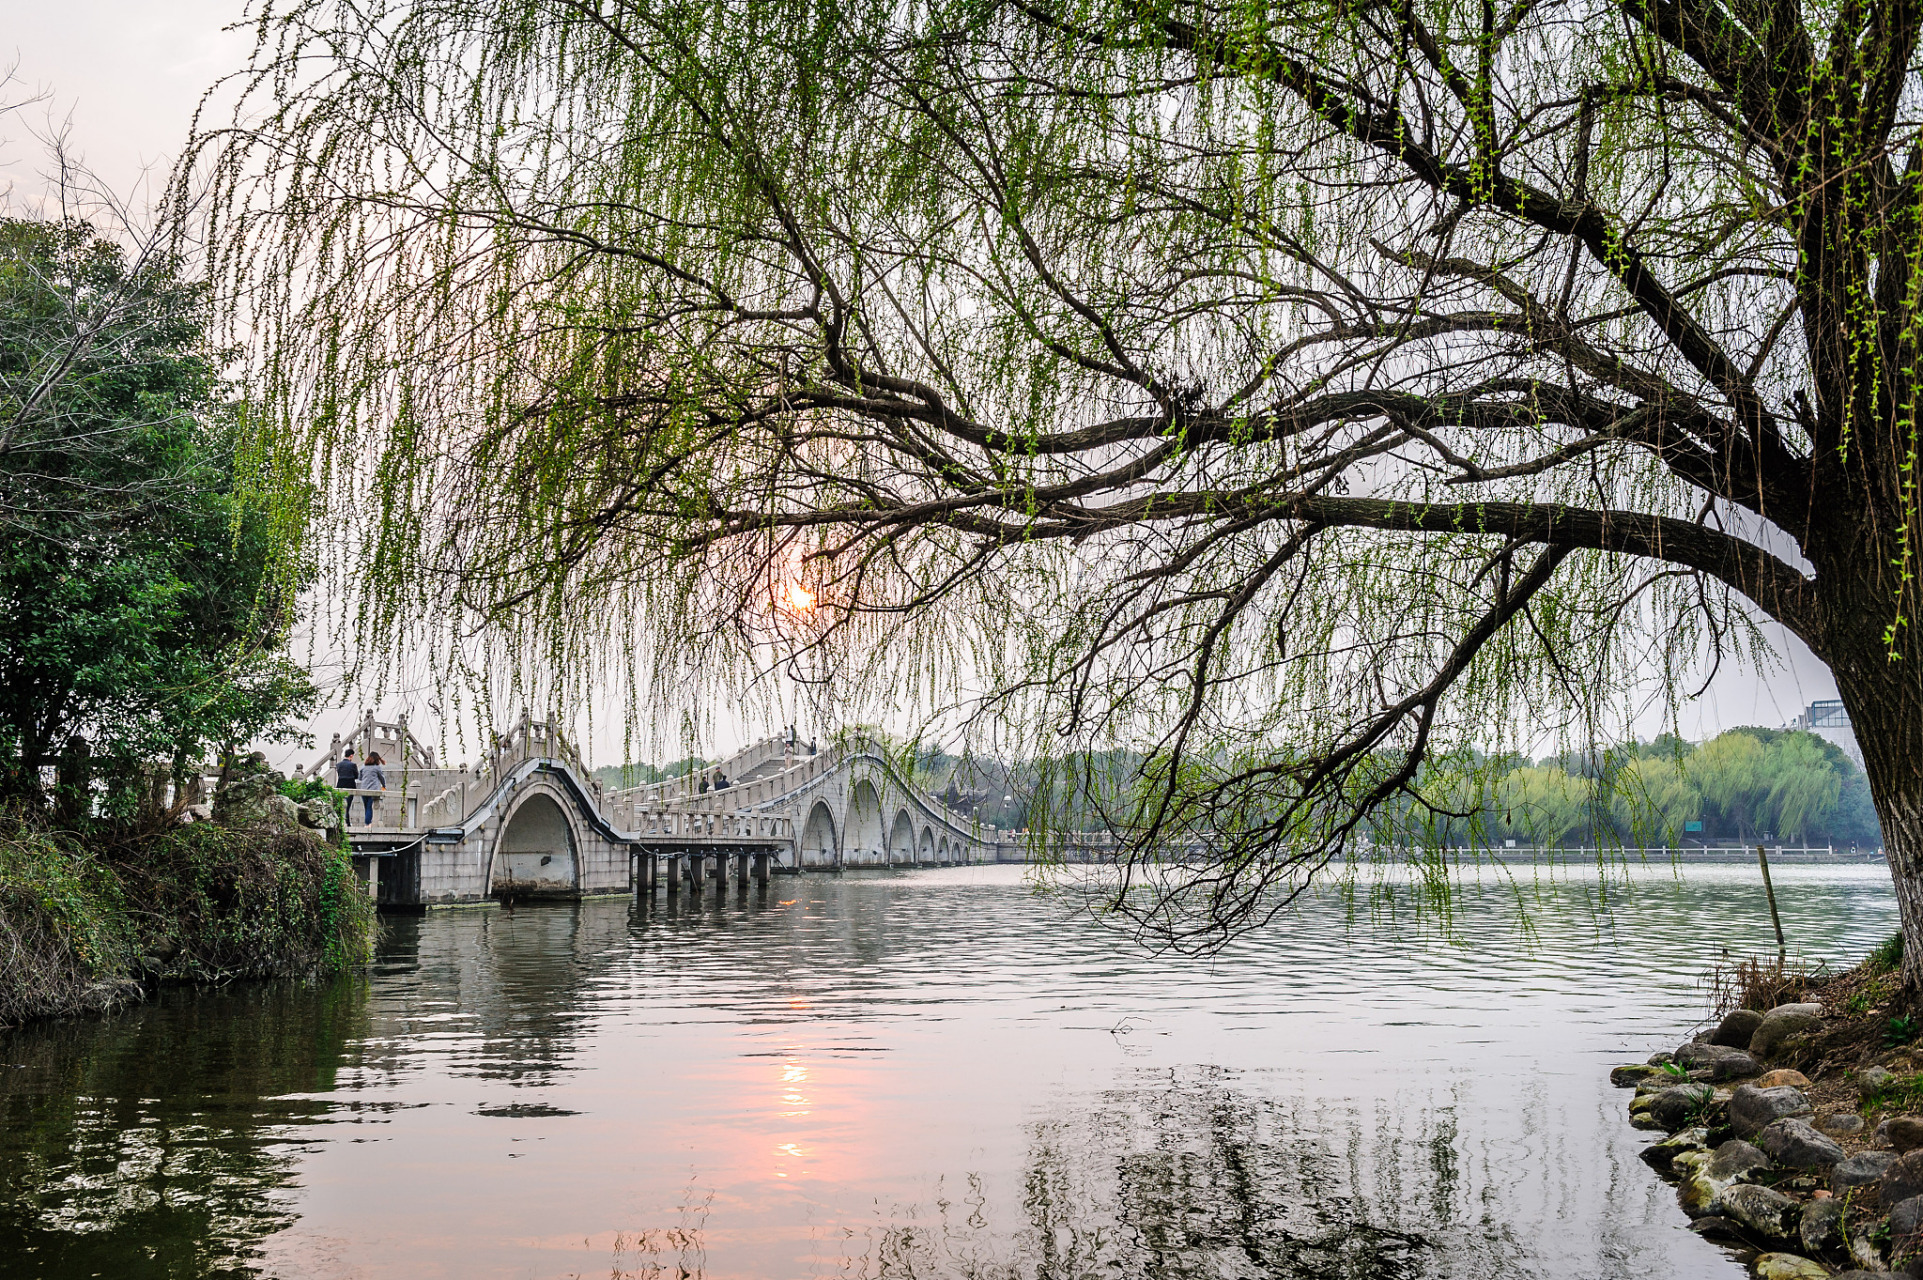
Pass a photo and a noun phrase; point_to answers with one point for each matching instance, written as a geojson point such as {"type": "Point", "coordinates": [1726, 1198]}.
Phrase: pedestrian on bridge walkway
{"type": "Point", "coordinates": [373, 778]}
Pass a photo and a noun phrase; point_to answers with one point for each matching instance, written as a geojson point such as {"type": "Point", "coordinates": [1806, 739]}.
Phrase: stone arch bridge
{"type": "Point", "coordinates": [530, 820]}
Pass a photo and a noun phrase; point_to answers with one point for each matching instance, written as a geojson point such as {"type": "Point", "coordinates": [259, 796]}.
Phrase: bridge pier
{"type": "Point", "coordinates": [674, 873]}
{"type": "Point", "coordinates": [761, 868]}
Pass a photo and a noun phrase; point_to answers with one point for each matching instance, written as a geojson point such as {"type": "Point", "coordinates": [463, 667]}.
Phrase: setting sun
{"type": "Point", "coordinates": [797, 598]}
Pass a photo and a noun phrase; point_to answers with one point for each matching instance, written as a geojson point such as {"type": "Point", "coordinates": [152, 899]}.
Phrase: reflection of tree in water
{"type": "Point", "coordinates": [1220, 1183]}
{"type": "Point", "coordinates": [1195, 1179]}
{"type": "Point", "coordinates": [147, 1144]}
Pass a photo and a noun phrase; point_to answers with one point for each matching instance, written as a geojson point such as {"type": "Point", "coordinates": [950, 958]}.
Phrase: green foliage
{"type": "Point", "coordinates": [616, 777]}
{"type": "Point", "coordinates": [1742, 784]}
{"type": "Point", "coordinates": [79, 921]}
{"type": "Point", "coordinates": [302, 790]}
{"type": "Point", "coordinates": [1905, 1093]}
{"type": "Point", "coordinates": [1299, 396]}
{"type": "Point", "coordinates": [1888, 956]}
{"type": "Point", "coordinates": [144, 585]}
{"type": "Point", "coordinates": [1899, 1031]}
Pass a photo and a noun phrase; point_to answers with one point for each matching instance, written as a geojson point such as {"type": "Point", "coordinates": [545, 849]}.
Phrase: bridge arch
{"type": "Point", "coordinates": [818, 844]}
{"type": "Point", "coordinates": [941, 849]}
{"type": "Point", "coordinates": [538, 853]}
{"type": "Point", "coordinates": [927, 852]}
{"type": "Point", "coordinates": [901, 838]}
{"type": "Point", "coordinates": [863, 839]}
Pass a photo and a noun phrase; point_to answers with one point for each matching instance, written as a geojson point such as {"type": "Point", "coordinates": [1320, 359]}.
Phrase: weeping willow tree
{"type": "Point", "coordinates": [1302, 393]}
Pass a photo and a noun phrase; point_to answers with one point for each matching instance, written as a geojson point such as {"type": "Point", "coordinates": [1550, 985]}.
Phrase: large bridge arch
{"type": "Point", "coordinates": [864, 841]}
{"type": "Point", "coordinates": [538, 853]}
{"type": "Point", "coordinates": [927, 849]}
{"type": "Point", "coordinates": [901, 839]}
{"type": "Point", "coordinates": [818, 844]}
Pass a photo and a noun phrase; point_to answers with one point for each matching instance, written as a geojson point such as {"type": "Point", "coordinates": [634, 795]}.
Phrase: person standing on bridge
{"type": "Point", "coordinates": [347, 774]}
{"type": "Point", "coordinates": [373, 778]}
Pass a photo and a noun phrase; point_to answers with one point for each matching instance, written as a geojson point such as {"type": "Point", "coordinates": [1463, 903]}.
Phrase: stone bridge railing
{"type": "Point", "coordinates": [776, 772]}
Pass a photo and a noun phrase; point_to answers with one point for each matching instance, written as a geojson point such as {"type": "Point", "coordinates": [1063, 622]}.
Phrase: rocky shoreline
{"type": "Point", "coordinates": [1802, 1179]}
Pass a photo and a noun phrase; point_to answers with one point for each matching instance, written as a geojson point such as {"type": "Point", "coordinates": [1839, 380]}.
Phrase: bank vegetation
{"type": "Point", "coordinates": [146, 589]}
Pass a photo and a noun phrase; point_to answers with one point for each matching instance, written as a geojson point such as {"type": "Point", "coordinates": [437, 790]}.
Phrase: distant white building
{"type": "Point", "coordinates": [1829, 721]}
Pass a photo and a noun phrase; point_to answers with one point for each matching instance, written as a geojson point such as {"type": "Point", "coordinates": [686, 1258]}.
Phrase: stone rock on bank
{"type": "Point", "coordinates": [1779, 1024]}
{"type": "Point", "coordinates": [1797, 1144]}
{"type": "Point", "coordinates": [1763, 1210]}
{"type": "Point", "coordinates": [1675, 1107]}
{"type": "Point", "coordinates": [1902, 1180]}
{"type": "Point", "coordinates": [1822, 1227]}
{"type": "Point", "coordinates": [1750, 1108]}
{"type": "Point", "coordinates": [1737, 1028]}
{"type": "Point", "coordinates": [1708, 1178]}
{"type": "Point", "coordinates": [1864, 1169]}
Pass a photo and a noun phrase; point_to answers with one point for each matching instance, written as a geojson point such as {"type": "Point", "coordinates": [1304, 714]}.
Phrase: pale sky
{"type": "Point", "coordinates": [125, 78]}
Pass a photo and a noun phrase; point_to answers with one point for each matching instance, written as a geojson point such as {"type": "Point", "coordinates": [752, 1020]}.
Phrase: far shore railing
{"type": "Point", "coordinates": [1644, 853]}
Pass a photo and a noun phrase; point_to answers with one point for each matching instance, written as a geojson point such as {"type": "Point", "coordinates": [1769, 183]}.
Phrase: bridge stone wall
{"type": "Point", "coordinates": [530, 821]}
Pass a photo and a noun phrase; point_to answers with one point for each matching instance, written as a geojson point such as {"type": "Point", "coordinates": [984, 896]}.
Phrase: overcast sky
{"type": "Point", "coordinates": [125, 77]}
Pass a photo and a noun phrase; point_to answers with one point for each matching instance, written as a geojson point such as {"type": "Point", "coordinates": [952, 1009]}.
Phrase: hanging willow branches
{"type": "Point", "coordinates": [1301, 393]}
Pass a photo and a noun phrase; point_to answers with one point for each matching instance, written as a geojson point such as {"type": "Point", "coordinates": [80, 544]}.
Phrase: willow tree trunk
{"type": "Point", "coordinates": [1883, 692]}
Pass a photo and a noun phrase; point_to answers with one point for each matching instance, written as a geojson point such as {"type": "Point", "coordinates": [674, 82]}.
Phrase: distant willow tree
{"type": "Point", "coordinates": [1295, 391]}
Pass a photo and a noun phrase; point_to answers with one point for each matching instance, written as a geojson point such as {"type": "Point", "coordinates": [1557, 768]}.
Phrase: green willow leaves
{"type": "Point", "coordinates": [1290, 392]}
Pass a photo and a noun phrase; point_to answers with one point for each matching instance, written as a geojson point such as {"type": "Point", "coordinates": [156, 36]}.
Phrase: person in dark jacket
{"type": "Point", "coordinates": [347, 774]}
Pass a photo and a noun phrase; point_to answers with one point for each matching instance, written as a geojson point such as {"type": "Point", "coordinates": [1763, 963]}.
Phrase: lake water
{"type": "Point", "coordinates": [926, 1074]}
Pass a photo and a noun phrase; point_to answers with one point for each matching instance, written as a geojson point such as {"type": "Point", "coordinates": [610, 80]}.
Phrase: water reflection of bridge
{"type": "Point", "coordinates": [530, 821]}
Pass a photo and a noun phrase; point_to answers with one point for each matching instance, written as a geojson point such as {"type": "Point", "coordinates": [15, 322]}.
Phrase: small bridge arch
{"type": "Point", "coordinates": [537, 854]}
{"type": "Point", "coordinates": [864, 840]}
{"type": "Point", "coordinates": [818, 844]}
{"type": "Point", "coordinates": [901, 838]}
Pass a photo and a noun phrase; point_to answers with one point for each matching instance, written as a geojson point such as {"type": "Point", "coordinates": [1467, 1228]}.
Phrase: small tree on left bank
{"type": "Point", "coordinates": [145, 592]}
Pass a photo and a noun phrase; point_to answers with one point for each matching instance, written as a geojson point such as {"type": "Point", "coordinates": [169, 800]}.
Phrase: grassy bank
{"type": "Point", "coordinates": [86, 924]}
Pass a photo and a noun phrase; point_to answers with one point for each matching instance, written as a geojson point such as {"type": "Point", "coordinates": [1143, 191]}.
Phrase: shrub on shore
{"type": "Point", "coordinates": [84, 924]}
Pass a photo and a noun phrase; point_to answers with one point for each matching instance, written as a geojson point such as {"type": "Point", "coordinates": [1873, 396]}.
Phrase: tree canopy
{"type": "Point", "coordinates": [143, 599]}
{"type": "Point", "coordinates": [1294, 393]}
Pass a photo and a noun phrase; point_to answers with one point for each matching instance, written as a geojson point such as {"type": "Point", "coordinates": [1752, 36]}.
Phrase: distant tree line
{"type": "Point", "coordinates": [617, 776]}
{"type": "Point", "coordinates": [1746, 785]}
